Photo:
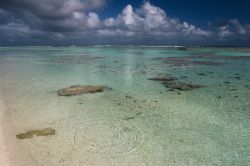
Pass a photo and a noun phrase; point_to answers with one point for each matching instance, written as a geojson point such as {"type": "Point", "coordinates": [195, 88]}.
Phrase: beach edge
{"type": "Point", "coordinates": [10, 150]}
{"type": "Point", "coordinates": [4, 157]}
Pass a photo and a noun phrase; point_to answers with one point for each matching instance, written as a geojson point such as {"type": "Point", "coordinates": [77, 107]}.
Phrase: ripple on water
{"type": "Point", "coordinates": [107, 137]}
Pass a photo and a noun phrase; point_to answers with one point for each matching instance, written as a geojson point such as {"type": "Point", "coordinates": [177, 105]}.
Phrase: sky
{"type": "Point", "coordinates": [124, 22]}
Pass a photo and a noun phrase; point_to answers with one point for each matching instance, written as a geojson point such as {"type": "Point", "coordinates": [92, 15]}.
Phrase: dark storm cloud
{"type": "Point", "coordinates": [76, 22]}
{"type": "Point", "coordinates": [53, 15]}
{"type": "Point", "coordinates": [35, 20]}
{"type": "Point", "coordinates": [230, 30]}
{"type": "Point", "coordinates": [51, 9]}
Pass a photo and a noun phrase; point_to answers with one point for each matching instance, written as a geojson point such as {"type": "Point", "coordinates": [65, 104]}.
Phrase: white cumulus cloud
{"type": "Point", "coordinates": [150, 20]}
{"type": "Point", "coordinates": [65, 20]}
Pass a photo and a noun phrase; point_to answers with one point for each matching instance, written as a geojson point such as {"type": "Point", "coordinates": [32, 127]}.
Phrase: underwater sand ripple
{"type": "Point", "coordinates": [107, 137]}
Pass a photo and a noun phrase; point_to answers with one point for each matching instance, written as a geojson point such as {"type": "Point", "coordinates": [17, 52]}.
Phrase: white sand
{"type": "Point", "coordinates": [11, 153]}
{"type": "Point", "coordinates": [4, 157]}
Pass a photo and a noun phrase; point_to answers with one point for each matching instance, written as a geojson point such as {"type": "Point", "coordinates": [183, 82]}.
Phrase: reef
{"type": "Point", "coordinates": [181, 86]}
{"type": "Point", "coordinates": [221, 57]}
{"type": "Point", "coordinates": [32, 133]}
{"type": "Point", "coordinates": [163, 78]}
{"type": "Point", "coordinates": [207, 59]}
{"type": "Point", "coordinates": [72, 59]}
{"type": "Point", "coordinates": [182, 48]}
{"type": "Point", "coordinates": [79, 89]}
{"type": "Point", "coordinates": [171, 82]}
{"type": "Point", "coordinates": [186, 61]}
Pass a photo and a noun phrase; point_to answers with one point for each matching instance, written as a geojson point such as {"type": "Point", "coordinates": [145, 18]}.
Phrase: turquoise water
{"type": "Point", "coordinates": [138, 121]}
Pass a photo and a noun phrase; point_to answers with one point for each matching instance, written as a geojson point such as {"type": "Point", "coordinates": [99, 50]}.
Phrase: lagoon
{"type": "Point", "coordinates": [201, 116]}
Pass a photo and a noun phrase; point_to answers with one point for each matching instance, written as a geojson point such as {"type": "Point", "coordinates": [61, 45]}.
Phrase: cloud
{"type": "Point", "coordinates": [55, 15]}
{"type": "Point", "coordinates": [224, 32]}
{"type": "Point", "coordinates": [93, 20]}
{"type": "Point", "coordinates": [150, 20]}
{"type": "Point", "coordinates": [231, 29]}
{"type": "Point", "coordinates": [51, 9]}
{"type": "Point", "coordinates": [77, 21]}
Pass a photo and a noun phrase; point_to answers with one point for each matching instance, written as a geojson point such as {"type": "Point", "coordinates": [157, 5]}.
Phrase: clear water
{"type": "Point", "coordinates": [138, 122]}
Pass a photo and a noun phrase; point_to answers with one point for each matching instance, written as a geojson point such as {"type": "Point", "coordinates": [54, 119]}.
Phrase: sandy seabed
{"type": "Point", "coordinates": [10, 151]}
{"type": "Point", "coordinates": [4, 157]}
{"type": "Point", "coordinates": [138, 121]}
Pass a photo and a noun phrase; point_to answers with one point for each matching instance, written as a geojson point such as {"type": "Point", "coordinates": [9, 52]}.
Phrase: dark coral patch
{"type": "Point", "coordinates": [186, 61]}
{"type": "Point", "coordinates": [32, 133]}
{"type": "Point", "coordinates": [72, 59]}
{"type": "Point", "coordinates": [163, 78]}
{"type": "Point", "coordinates": [78, 89]}
{"type": "Point", "coordinates": [181, 86]}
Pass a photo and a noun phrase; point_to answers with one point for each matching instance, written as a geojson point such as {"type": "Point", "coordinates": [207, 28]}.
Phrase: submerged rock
{"type": "Point", "coordinates": [171, 82]}
{"type": "Point", "coordinates": [201, 74]}
{"type": "Point", "coordinates": [72, 59]}
{"type": "Point", "coordinates": [183, 62]}
{"type": "Point", "coordinates": [182, 48]}
{"type": "Point", "coordinates": [181, 86]}
{"type": "Point", "coordinates": [79, 89]}
{"type": "Point", "coordinates": [163, 78]}
{"type": "Point", "coordinates": [129, 118]}
{"type": "Point", "coordinates": [32, 133]}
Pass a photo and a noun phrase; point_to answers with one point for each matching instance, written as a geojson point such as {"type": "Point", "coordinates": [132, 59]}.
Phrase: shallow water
{"type": "Point", "coordinates": [138, 121]}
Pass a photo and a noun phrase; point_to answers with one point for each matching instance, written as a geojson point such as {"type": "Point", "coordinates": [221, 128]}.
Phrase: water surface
{"type": "Point", "coordinates": [137, 121]}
